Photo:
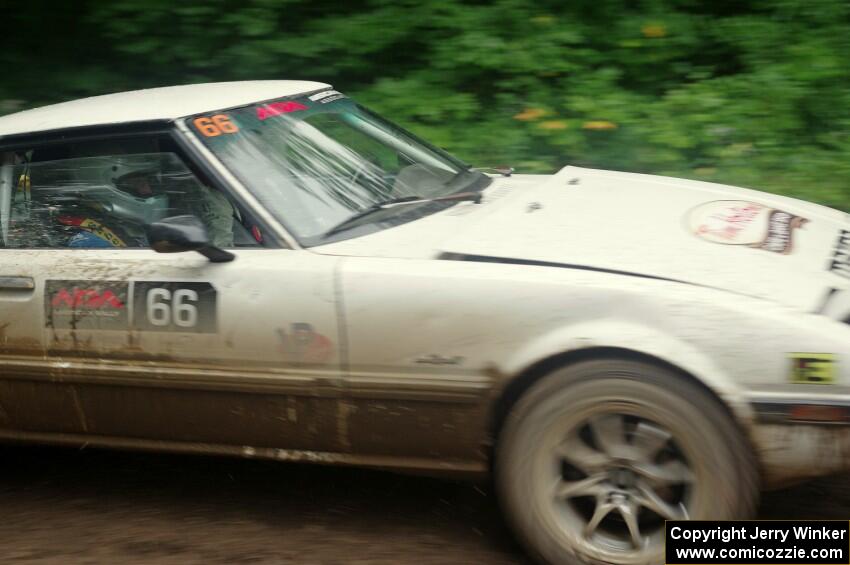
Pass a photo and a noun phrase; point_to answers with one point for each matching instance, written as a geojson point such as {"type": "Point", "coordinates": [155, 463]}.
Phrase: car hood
{"type": "Point", "coordinates": [724, 237]}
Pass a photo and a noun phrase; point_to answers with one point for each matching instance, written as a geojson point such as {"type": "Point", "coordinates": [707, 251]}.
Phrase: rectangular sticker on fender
{"type": "Point", "coordinates": [813, 368]}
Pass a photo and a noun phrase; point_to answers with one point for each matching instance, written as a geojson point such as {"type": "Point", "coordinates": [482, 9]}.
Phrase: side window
{"type": "Point", "coordinates": [102, 195]}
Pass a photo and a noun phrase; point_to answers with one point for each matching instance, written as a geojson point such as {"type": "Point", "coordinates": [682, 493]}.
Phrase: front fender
{"type": "Point", "coordinates": [636, 338]}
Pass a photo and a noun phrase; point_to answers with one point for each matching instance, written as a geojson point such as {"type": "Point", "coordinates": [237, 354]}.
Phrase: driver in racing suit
{"type": "Point", "coordinates": [119, 195]}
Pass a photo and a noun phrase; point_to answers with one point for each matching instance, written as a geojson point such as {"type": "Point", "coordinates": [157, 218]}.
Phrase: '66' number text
{"type": "Point", "coordinates": [174, 306]}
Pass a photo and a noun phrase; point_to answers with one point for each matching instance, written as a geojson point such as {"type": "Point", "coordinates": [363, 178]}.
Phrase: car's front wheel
{"type": "Point", "coordinates": [594, 458]}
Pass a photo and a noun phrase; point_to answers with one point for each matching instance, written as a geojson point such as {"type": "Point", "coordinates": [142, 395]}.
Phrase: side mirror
{"type": "Point", "coordinates": [185, 233]}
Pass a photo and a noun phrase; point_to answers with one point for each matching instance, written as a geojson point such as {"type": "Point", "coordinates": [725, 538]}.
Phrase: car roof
{"type": "Point", "coordinates": [153, 104]}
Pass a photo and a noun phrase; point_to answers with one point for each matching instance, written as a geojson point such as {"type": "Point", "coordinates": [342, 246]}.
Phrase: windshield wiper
{"type": "Point", "coordinates": [394, 202]}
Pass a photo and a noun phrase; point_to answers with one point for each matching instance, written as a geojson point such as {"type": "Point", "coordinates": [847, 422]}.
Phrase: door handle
{"type": "Point", "coordinates": [16, 283]}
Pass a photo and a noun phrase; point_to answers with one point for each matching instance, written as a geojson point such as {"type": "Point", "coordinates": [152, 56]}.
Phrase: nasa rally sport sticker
{"type": "Point", "coordinates": [86, 305]}
{"type": "Point", "coordinates": [738, 222]}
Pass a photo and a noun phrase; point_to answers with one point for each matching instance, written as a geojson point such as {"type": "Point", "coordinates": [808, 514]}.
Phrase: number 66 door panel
{"type": "Point", "coordinates": [135, 344]}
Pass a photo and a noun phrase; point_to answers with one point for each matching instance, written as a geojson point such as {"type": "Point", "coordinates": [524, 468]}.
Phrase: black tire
{"type": "Point", "coordinates": [560, 440]}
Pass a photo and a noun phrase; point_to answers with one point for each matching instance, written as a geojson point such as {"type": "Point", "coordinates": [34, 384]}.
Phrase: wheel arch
{"type": "Point", "coordinates": [514, 388]}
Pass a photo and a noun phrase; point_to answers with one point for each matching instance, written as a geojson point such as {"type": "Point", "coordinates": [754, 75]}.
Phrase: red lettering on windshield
{"type": "Point", "coordinates": [278, 108]}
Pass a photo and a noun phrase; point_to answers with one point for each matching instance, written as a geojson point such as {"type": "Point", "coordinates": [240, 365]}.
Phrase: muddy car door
{"type": "Point", "coordinates": [105, 340]}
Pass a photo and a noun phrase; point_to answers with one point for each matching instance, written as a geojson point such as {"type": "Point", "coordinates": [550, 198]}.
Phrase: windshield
{"type": "Point", "coordinates": [317, 161]}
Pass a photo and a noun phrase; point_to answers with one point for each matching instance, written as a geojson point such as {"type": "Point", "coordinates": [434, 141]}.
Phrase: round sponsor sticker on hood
{"type": "Point", "coordinates": [738, 222]}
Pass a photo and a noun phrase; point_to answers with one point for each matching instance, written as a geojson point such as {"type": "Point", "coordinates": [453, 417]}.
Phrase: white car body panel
{"type": "Point", "coordinates": [730, 315]}
{"type": "Point", "coordinates": [468, 320]}
{"type": "Point", "coordinates": [122, 380]}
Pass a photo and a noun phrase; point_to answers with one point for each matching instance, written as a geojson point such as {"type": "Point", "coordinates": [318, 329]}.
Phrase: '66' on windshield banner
{"type": "Point", "coordinates": [766, 542]}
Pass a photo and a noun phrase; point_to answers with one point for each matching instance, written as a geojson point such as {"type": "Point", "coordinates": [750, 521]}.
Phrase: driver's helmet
{"type": "Point", "coordinates": [123, 187]}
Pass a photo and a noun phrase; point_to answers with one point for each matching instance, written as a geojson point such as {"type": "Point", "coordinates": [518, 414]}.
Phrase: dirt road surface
{"type": "Point", "coordinates": [80, 507]}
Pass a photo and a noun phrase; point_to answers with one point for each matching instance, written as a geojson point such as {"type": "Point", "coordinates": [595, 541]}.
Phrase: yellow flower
{"type": "Point", "coordinates": [530, 114]}
{"type": "Point", "coordinates": [600, 124]}
{"type": "Point", "coordinates": [654, 30]}
{"type": "Point", "coordinates": [543, 20]}
{"type": "Point", "coordinates": [553, 124]}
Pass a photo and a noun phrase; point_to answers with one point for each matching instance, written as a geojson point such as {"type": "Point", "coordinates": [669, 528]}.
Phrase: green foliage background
{"type": "Point", "coordinates": [748, 92]}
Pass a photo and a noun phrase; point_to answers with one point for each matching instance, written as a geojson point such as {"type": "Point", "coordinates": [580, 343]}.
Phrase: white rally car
{"type": "Point", "coordinates": [618, 349]}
